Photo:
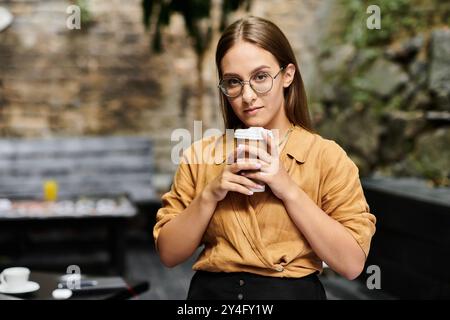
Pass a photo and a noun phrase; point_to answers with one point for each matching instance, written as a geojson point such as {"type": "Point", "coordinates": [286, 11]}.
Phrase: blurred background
{"type": "Point", "coordinates": [144, 68]}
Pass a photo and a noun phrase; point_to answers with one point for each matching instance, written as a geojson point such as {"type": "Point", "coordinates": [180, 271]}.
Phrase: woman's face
{"type": "Point", "coordinates": [245, 60]}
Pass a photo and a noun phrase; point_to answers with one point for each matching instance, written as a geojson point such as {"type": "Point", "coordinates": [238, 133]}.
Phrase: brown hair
{"type": "Point", "coordinates": [269, 37]}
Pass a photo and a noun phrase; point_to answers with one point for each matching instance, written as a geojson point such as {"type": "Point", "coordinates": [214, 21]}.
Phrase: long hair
{"type": "Point", "coordinates": [269, 37]}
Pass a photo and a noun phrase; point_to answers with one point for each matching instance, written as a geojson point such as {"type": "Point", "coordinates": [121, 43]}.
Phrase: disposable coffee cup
{"type": "Point", "coordinates": [15, 278]}
{"type": "Point", "coordinates": [252, 136]}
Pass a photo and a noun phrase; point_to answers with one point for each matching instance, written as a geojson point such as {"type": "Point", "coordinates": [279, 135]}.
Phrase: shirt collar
{"type": "Point", "coordinates": [297, 146]}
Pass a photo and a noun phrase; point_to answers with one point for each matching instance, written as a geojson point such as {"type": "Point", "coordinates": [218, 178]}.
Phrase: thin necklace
{"type": "Point", "coordinates": [286, 135]}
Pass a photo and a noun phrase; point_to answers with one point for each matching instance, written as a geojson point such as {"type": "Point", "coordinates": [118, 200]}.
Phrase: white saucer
{"type": "Point", "coordinates": [30, 286]}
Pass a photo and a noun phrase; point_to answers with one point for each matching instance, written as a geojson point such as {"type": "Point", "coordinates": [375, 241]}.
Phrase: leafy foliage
{"type": "Point", "coordinates": [398, 17]}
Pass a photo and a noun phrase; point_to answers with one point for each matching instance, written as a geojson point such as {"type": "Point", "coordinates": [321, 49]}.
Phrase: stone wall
{"type": "Point", "coordinates": [388, 104]}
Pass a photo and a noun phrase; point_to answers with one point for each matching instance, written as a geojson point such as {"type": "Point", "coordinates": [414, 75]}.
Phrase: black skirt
{"type": "Point", "coordinates": [248, 286]}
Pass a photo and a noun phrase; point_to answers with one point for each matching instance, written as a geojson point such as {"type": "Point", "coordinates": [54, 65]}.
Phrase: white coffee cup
{"type": "Point", "coordinates": [14, 278]}
{"type": "Point", "coordinates": [252, 136]}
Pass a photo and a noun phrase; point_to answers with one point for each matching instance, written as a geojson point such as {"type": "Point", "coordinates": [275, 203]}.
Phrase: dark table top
{"type": "Point", "coordinates": [50, 281]}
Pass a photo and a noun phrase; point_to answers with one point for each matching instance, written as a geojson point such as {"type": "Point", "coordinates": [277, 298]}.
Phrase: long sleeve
{"type": "Point", "coordinates": [343, 197]}
{"type": "Point", "coordinates": [181, 194]}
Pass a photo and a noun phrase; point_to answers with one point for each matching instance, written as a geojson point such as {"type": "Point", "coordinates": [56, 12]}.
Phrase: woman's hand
{"type": "Point", "coordinates": [230, 179]}
{"type": "Point", "coordinates": [272, 170]}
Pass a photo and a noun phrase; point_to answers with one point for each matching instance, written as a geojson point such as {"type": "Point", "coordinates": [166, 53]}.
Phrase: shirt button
{"type": "Point", "coordinates": [240, 296]}
{"type": "Point", "coordinates": [241, 282]}
{"type": "Point", "coordinates": [279, 268]}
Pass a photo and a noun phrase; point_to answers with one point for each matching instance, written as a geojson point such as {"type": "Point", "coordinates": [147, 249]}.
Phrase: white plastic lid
{"type": "Point", "coordinates": [252, 133]}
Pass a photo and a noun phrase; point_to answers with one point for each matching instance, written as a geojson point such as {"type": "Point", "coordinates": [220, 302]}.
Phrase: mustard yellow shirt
{"type": "Point", "coordinates": [255, 233]}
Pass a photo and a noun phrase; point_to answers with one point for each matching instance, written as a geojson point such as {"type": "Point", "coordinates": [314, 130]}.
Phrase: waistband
{"type": "Point", "coordinates": [249, 275]}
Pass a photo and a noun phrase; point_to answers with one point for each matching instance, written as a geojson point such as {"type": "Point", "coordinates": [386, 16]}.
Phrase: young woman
{"type": "Point", "coordinates": [271, 244]}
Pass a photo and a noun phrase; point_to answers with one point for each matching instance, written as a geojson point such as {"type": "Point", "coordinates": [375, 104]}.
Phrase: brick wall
{"type": "Point", "coordinates": [99, 80]}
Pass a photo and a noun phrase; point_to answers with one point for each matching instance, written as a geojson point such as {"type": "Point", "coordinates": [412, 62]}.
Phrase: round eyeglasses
{"type": "Point", "coordinates": [260, 82]}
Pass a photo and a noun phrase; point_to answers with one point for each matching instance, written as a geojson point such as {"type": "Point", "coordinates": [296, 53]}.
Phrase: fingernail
{"type": "Point", "coordinates": [250, 193]}
{"type": "Point", "coordinates": [240, 147]}
{"type": "Point", "coordinates": [258, 165]}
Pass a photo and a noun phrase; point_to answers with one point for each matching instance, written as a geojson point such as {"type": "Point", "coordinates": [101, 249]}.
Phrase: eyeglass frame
{"type": "Point", "coordinates": [243, 82]}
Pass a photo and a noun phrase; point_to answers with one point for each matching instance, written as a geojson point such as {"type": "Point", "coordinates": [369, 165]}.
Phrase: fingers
{"type": "Point", "coordinates": [272, 146]}
{"type": "Point", "coordinates": [243, 181]}
{"type": "Point", "coordinates": [232, 181]}
{"type": "Point", "coordinates": [261, 176]}
{"type": "Point", "coordinates": [239, 166]}
{"type": "Point", "coordinates": [238, 188]}
{"type": "Point", "coordinates": [234, 154]}
{"type": "Point", "coordinates": [257, 153]}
